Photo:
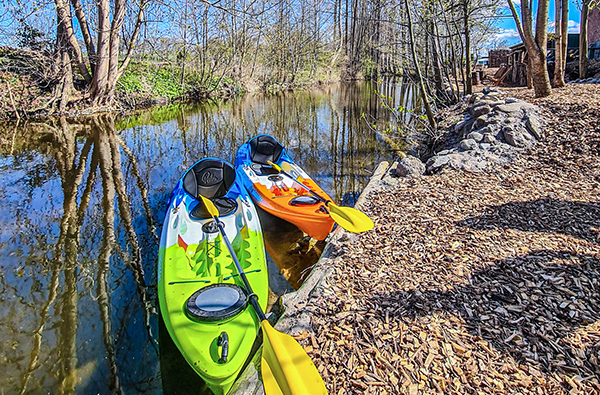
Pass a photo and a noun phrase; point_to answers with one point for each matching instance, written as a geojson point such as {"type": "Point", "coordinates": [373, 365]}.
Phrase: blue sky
{"type": "Point", "coordinates": [509, 31]}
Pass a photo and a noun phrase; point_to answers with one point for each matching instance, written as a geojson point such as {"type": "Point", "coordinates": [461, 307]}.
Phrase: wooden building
{"type": "Point", "coordinates": [497, 57]}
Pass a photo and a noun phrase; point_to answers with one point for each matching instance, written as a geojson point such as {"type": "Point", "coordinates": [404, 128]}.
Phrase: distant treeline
{"type": "Point", "coordinates": [101, 50]}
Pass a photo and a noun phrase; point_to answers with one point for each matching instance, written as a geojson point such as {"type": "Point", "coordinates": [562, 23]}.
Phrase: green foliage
{"type": "Point", "coordinates": [368, 67]}
{"type": "Point", "coordinates": [159, 80]}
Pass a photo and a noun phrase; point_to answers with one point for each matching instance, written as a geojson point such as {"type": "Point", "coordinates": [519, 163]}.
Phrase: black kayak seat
{"type": "Point", "coordinates": [210, 178]}
{"type": "Point", "coordinates": [225, 206]}
{"type": "Point", "coordinates": [216, 302]}
{"type": "Point", "coordinates": [265, 148]}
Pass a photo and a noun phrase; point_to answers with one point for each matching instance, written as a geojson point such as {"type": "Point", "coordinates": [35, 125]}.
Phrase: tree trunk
{"type": "Point", "coordinates": [428, 111]}
{"type": "Point", "coordinates": [559, 72]}
{"type": "Point", "coordinates": [565, 35]}
{"type": "Point", "coordinates": [539, 74]}
{"type": "Point", "coordinates": [86, 33]}
{"type": "Point", "coordinates": [529, 72]}
{"type": "Point", "coordinates": [63, 13]}
{"type": "Point", "coordinates": [583, 40]}
{"type": "Point", "coordinates": [537, 69]}
{"type": "Point", "coordinates": [115, 40]}
{"type": "Point", "coordinates": [100, 82]}
{"type": "Point", "coordinates": [437, 72]}
{"type": "Point", "coordinates": [64, 89]}
{"type": "Point", "coordinates": [467, 34]}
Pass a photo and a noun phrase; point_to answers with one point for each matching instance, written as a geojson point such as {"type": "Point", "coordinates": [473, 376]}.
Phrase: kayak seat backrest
{"type": "Point", "coordinates": [265, 148]}
{"type": "Point", "coordinates": [225, 206]}
{"type": "Point", "coordinates": [210, 178]}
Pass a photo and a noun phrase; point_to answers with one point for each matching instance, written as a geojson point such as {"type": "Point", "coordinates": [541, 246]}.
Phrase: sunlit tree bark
{"type": "Point", "coordinates": [535, 44]}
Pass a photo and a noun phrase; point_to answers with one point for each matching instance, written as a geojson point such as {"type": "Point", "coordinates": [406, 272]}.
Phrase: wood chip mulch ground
{"type": "Point", "coordinates": [476, 282]}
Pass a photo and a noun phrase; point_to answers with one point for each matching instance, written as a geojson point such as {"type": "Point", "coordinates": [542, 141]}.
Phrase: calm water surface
{"type": "Point", "coordinates": [81, 208]}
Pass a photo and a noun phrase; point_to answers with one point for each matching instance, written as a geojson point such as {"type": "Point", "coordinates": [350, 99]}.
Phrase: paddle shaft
{"type": "Point", "coordinates": [285, 173]}
{"type": "Point", "coordinates": [251, 295]}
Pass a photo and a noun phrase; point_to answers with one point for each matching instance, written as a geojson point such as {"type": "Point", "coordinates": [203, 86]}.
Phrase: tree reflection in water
{"type": "Point", "coordinates": [82, 154]}
{"type": "Point", "coordinates": [78, 240]}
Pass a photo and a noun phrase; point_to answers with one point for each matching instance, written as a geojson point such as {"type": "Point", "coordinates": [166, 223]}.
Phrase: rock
{"type": "Point", "coordinates": [485, 146]}
{"type": "Point", "coordinates": [516, 137]}
{"type": "Point", "coordinates": [479, 123]}
{"type": "Point", "coordinates": [479, 110]}
{"type": "Point", "coordinates": [510, 100]}
{"type": "Point", "coordinates": [533, 126]}
{"type": "Point", "coordinates": [514, 108]}
{"type": "Point", "coordinates": [490, 98]}
{"type": "Point", "coordinates": [475, 136]}
{"type": "Point", "coordinates": [474, 97]}
{"type": "Point", "coordinates": [459, 126]}
{"type": "Point", "coordinates": [436, 163]}
{"type": "Point", "coordinates": [467, 145]}
{"type": "Point", "coordinates": [444, 152]}
{"type": "Point", "coordinates": [410, 167]}
{"type": "Point", "coordinates": [488, 138]}
{"type": "Point", "coordinates": [485, 129]}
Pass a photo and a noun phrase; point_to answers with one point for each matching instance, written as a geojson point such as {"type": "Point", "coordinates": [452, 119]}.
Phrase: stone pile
{"type": "Point", "coordinates": [585, 81]}
{"type": "Point", "coordinates": [495, 128]}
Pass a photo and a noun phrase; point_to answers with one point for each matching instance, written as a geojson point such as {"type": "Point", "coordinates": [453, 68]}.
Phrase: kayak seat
{"type": "Point", "coordinates": [265, 148]}
{"type": "Point", "coordinates": [210, 178]}
{"type": "Point", "coordinates": [216, 302]}
{"type": "Point", "coordinates": [225, 206]}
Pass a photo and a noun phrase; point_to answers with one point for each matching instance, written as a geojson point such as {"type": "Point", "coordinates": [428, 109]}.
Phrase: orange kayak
{"type": "Point", "coordinates": [279, 194]}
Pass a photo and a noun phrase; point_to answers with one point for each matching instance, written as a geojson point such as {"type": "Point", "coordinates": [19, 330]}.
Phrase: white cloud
{"type": "Point", "coordinates": [502, 37]}
{"type": "Point", "coordinates": [573, 27]}
{"type": "Point", "coordinates": [507, 34]}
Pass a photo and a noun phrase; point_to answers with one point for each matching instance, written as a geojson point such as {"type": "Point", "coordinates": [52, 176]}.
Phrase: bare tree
{"type": "Point", "coordinates": [100, 66]}
{"type": "Point", "coordinates": [535, 44]}
{"type": "Point", "coordinates": [586, 6]}
{"type": "Point", "coordinates": [561, 21]}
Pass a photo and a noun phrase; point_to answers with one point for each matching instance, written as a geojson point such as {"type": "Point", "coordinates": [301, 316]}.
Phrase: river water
{"type": "Point", "coordinates": [82, 205]}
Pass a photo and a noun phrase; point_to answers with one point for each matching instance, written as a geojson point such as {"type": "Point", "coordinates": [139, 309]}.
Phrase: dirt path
{"type": "Point", "coordinates": [476, 282]}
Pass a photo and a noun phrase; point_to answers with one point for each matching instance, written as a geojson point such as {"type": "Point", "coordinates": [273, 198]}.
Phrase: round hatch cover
{"type": "Point", "coordinates": [216, 302]}
{"type": "Point", "coordinates": [304, 200]}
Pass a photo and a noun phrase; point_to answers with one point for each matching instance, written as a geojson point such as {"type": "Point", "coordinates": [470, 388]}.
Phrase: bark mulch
{"type": "Point", "coordinates": [476, 282]}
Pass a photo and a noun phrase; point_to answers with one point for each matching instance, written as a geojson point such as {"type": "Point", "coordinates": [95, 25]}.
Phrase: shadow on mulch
{"type": "Point", "coordinates": [525, 306]}
{"type": "Point", "coordinates": [578, 219]}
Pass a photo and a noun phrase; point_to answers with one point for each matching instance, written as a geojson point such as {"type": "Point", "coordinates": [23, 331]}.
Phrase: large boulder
{"type": "Point", "coordinates": [410, 166]}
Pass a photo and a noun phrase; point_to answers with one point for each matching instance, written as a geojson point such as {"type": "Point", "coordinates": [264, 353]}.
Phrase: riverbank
{"type": "Point", "coordinates": [30, 83]}
{"type": "Point", "coordinates": [473, 282]}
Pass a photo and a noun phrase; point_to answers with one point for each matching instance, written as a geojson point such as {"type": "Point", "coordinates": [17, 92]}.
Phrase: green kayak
{"type": "Point", "coordinates": [202, 298]}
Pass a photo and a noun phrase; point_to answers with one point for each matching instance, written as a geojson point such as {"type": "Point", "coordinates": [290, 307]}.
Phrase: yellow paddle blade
{"type": "Point", "coordinates": [274, 166]}
{"type": "Point", "coordinates": [350, 218]}
{"type": "Point", "coordinates": [210, 206]}
{"type": "Point", "coordinates": [286, 368]}
{"type": "Point", "coordinates": [347, 217]}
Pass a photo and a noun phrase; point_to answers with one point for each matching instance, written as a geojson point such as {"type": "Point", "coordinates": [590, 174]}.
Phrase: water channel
{"type": "Point", "coordinates": [82, 205]}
